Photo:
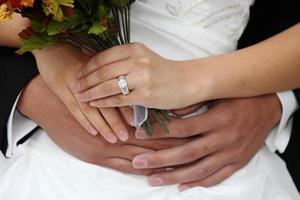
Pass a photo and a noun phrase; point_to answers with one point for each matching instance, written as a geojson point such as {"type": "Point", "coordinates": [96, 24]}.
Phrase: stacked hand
{"type": "Point", "coordinates": [154, 81]}
{"type": "Point", "coordinates": [223, 140]}
{"type": "Point", "coordinates": [211, 147]}
{"type": "Point", "coordinates": [58, 67]}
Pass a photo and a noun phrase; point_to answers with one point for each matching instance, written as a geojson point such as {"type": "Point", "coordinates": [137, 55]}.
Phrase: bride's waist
{"type": "Point", "coordinates": [178, 41]}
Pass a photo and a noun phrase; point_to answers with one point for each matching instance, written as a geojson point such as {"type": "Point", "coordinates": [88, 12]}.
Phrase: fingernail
{"type": "Point", "coordinates": [156, 181]}
{"type": "Point", "coordinates": [123, 136]}
{"type": "Point", "coordinates": [92, 131]}
{"type": "Point", "coordinates": [183, 188]}
{"type": "Point", "coordinates": [140, 134]}
{"type": "Point", "coordinates": [111, 138]}
{"type": "Point", "coordinates": [139, 163]}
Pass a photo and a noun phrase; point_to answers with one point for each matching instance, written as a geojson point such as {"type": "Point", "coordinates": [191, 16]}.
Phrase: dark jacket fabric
{"type": "Point", "coordinates": [15, 72]}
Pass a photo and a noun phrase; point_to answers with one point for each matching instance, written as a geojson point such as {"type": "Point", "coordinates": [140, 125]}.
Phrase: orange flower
{"type": "Point", "coordinates": [27, 3]}
{"type": "Point", "coordinates": [7, 7]}
{"type": "Point", "coordinates": [5, 12]}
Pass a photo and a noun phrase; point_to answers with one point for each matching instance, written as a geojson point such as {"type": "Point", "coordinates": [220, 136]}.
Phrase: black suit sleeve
{"type": "Point", "coordinates": [15, 72]}
{"type": "Point", "coordinates": [297, 93]}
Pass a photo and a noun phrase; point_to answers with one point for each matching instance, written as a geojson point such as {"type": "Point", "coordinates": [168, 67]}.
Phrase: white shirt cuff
{"type": "Point", "coordinates": [279, 137]}
{"type": "Point", "coordinates": [18, 126]}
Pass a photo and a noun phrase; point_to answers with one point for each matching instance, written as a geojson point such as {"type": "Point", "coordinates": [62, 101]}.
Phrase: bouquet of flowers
{"type": "Point", "coordinates": [92, 25]}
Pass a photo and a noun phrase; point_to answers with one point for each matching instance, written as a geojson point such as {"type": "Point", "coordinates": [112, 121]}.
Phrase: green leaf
{"type": "Point", "coordinates": [102, 11]}
{"type": "Point", "coordinates": [120, 3]}
{"type": "Point", "coordinates": [58, 15]}
{"type": "Point", "coordinates": [37, 27]}
{"type": "Point", "coordinates": [97, 28]}
{"type": "Point", "coordinates": [148, 127]}
{"type": "Point", "coordinates": [69, 23]}
{"type": "Point", "coordinates": [36, 42]}
{"type": "Point", "coordinates": [68, 3]}
{"type": "Point", "coordinates": [160, 121]}
{"type": "Point", "coordinates": [56, 28]}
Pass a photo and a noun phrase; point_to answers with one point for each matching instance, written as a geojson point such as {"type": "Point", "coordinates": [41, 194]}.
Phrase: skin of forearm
{"type": "Point", "coordinates": [10, 29]}
{"type": "Point", "coordinates": [53, 117]}
{"type": "Point", "coordinates": [268, 67]}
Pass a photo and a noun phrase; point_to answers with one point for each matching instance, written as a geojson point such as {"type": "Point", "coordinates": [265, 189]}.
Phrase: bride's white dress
{"type": "Point", "coordinates": [177, 29]}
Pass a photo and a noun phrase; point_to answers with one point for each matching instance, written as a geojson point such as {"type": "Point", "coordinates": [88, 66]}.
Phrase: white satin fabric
{"type": "Point", "coordinates": [41, 171]}
{"type": "Point", "coordinates": [177, 29]}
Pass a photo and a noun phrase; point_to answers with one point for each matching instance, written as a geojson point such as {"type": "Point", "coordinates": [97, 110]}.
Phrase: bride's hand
{"type": "Point", "coordinates": [153, 81]}
{"type": "Point", "coordinates": [58, 67]}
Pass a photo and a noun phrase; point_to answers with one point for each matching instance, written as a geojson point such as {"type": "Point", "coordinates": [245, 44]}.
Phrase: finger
{"type": "Point", "coordinates": [112, 117]}
{"type": "Point", "coordinates": [181, 128]}
{"type": "Point", "coordinates": [127, 151]}
{"type": "Point", "coordinates": [95, 117]}
{"type": "Point", "coordinates": [105, 73]}
{"type": "Point", "coordinates": [214, 179]}
{"type": "Point", "coordinates": [159, 144]}
{"type": "Point", "coordinates": [70, 101]}
{"type": "Point", "coordinates": [124, 166]}
{"type": "Point", "coordinates": [189, 152]}
{"type": "Point", "coordinates": [107, 89]}
{"type": "Point", "coordinates": [188, 110]}
{"type": "Point", "coordinates": [127, 113]}
{"type": "Point", "coordinates": [118, 100]}
{"type": "Point", "coordinates": [114, 54]}
{"type": "Point", "coordinates": [194, 172]}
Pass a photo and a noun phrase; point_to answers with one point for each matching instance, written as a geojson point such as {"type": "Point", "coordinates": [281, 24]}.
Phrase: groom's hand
{"type": "Point", "coordinates": [225, 138]}
{"type": "Point", "coordinates": [66, 132]}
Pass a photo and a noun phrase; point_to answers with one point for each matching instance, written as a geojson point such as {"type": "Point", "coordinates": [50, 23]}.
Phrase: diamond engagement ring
{"type": "Point", "coordinates": [123, 85]}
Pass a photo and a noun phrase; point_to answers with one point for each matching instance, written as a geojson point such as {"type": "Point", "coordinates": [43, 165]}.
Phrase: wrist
{"type": "Point", "coordinates": [27, 98]}
{"type": "Point", "coordinates": [32, 102]}
{"type": "Point", "coordinates": [202, 81]}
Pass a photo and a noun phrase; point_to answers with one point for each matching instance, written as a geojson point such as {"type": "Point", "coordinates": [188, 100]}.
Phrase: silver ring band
{"type": "Point", "coordinates": [123, 85]}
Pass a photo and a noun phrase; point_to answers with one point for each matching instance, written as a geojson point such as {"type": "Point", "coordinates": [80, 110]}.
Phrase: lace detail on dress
{"type": "Point", "coordinates": [225, 17]}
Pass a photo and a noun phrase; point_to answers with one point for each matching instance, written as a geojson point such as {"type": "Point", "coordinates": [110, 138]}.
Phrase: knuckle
{"type": "Point", "coordinates": [117, 100]}
{"type": "Point", "coordinates": [136, 47]}
{"type": "Point", "coordinates": [170, 178]}
{"type": "Point", "coordinates": [84, 83]}
{"type": "Point", "coordinates": [87, 95]}
{"type": "Point", "coordinates": [156, 162]}
{"type": "Point", "coordinates": [115, 124]}
{"type": "Point", "coordinates": [189, 154]}
{"type": "Point", "coordinates": [145, 73]}
{"type": "Point", "coordinates": [102, 74]}
{"type": "Point", "coordinates": [238, 154]}
{"type": "Point", "coordinates": [185, 130]}
{"type": "Point", "coordinates": [202, 172]}
{"type": "Point", "coordinates": [91, 156]}
{"type": "Point", "coordinates": [123, 168]}
{"type": "Point", "coordinates": [83, 70]}
{"type": "Point", "coordinates": [108, 86]}
{"type": "Point", "coordinates": [88, 109]}
{"type": "Point", "coordinates": [161, 144]}
{"type": "Point", "coordinates": [143, 61]}
{"type": "Point", "coordinates": [98, 60]}
{"type": "Point", "coordinates": [225, 118]}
